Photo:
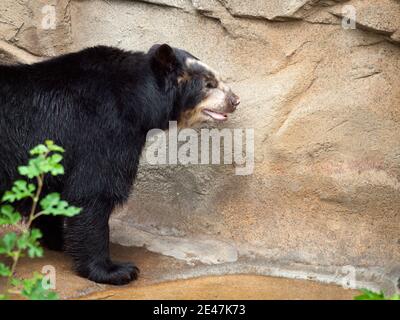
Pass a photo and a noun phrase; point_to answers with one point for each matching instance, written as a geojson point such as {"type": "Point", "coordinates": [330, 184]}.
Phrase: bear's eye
{"type": "Point", "coordinates": [211, 84]}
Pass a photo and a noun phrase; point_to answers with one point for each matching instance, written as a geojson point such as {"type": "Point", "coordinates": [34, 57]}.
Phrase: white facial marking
{"type": "Point", "coordinates": [215, 100]}
{"type": "Point", "coordinates": [190, 62]}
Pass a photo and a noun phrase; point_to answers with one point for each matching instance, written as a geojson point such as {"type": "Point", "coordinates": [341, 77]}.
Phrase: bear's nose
{"type": "Point", "coordinates": [234, 100]}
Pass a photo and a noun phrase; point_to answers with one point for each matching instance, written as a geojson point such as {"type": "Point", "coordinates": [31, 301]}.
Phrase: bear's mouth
{"type": "Point", "coordinates": [216, 115]}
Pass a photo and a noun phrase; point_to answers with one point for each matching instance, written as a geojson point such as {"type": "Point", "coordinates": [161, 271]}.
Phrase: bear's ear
{"type": "Point", "coordinates": [164, 56]}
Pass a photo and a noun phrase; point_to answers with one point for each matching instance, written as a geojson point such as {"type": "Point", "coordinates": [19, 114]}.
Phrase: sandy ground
{"type": "Point", "coordinates": [229, 287]}
{"type": "Point", "coordinates": [156, 281]}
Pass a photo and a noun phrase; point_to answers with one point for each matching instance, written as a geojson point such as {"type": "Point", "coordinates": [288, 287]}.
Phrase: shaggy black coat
{"type": "Point", "coordinates": [98, 104]}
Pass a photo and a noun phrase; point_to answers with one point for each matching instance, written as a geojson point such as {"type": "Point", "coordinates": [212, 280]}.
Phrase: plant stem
{"type": "Point", "coordinates": [35, 200]}
{"type": "Point", "coordinates": [32, 217]}
{"type": "Point", "coordinates": [13, 267]}
{"type": "Point", "coordinates": [37, 215]}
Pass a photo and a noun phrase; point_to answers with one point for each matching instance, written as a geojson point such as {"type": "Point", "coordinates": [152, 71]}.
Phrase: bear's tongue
{"type": "Point", "coordinates": [215, 115]}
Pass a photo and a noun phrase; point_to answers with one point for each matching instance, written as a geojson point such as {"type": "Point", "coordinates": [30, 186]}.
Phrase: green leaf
{"type": "Point", "coordinates": [22, 241]}
{"type": "Point", "coordinates": [35, 234]}
{"type": "Point", "coordinates": [42, 149]}
{"type": "Point", "coordinates": [8, 215]}
{"type": "Point", "coordinates": [53, 147]}
{"type": "Point", "coordinates": [30, 171]}
{"type": "Point", "coordinates": [34, 249]}
{"type": "Point", "coordinates": [16, 282]}
{"type": "Point", "coordinates": [39, 149]}
{"type": "Point", "coordinates": [41, 165]}
{"type": "Point", "coordinates": [7, 244]}
{"type": "Point", "coordinates": [57, 169]}
{"type": "Point", "coordinates": [29, 240]}
{"type": "Point", "coordinates": [44, 163]}
{"type": "Point", "coordinates": [3, 297]}
{"type": "Point", "coordinates": [20, 190]}
{"type": "Point", "coordinates": [55, 158]}
{"type": "Point", "coordinates": [370, 295]}
{"type": "Point", "coordinates": [33, 289]}
{"type": "Point", "coordinates": [4, 270]}
{"type": "Point", "coordinates": [54, 164]}
{"type": "Point", "coordinates": [53, 205]}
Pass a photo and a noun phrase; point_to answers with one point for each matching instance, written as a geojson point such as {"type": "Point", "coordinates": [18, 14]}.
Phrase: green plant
{"type": "Point", "coordinates": [45, 159]}
{"type": "Point", "coordinates": [371, 295]}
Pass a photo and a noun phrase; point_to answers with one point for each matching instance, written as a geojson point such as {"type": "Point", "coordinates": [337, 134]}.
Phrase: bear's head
{"type": "Point", "coordinates": [199, 94]}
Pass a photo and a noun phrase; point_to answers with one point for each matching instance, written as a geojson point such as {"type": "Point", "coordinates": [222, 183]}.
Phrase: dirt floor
{"type": "Point", "coordinates": [229, 287]}
{"type": "Point", "coordinates": [157, 281]}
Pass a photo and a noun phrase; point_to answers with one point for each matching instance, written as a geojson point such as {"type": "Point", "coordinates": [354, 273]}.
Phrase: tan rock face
{"type": "Point", "coordinates": [382, 16]}
{"type": "Point", "coordinates": [275, 10]}
{"type": "Point", "coordinates": [40, 27]}
{"type": "Point", "coordinates": [324, 105]}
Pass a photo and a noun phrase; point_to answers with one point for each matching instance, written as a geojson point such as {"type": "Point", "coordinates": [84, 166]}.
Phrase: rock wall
{"type": "Point", "coordinates": [323, 101]}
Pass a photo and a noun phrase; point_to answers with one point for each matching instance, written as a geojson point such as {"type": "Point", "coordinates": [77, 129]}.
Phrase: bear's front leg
{"type": "Point", "coordinates": [86, 239]}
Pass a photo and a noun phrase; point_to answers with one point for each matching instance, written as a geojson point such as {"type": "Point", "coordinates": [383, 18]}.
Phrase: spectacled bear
{"type": "Point", "coordinates": [99, 104]}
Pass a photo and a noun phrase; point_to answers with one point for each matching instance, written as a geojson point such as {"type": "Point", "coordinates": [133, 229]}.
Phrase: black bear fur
{"type": "Point", "coordinates": [99, 104]}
